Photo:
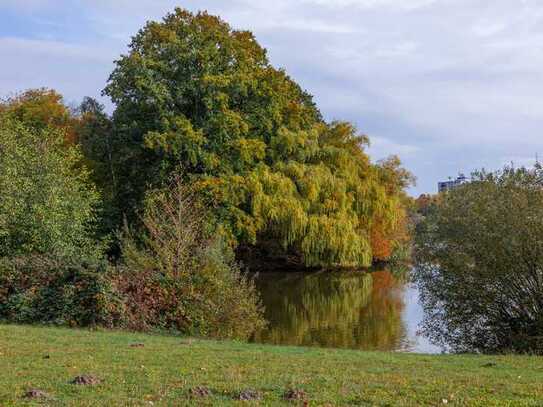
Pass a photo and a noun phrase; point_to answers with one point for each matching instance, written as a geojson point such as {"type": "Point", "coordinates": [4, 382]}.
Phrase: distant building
{"type": "Point", "coordinates": [451, 184]}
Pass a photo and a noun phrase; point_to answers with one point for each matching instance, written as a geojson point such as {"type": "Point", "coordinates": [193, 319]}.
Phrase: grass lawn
{"type": "Point", "coordinates": [166, 370]}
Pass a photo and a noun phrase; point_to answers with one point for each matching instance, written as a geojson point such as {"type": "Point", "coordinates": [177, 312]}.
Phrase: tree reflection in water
{"type": "Point", "coordinates": [340, 310]}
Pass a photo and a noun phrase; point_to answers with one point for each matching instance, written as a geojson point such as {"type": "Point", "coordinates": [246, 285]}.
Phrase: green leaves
{"type": "Point", "coordinates": [480, 256]}
{"type": "Point", "coordinates": [47, 204]}
{"type": "Point", "coordinates": [188, 277]}
{"type": "Point", "coordinates": [196, 96]}
{"type": "Point", "coordinates": [47, 290]}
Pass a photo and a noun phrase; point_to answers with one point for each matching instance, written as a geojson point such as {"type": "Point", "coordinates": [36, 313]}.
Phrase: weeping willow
{"type": "Point", "coordinates": [326, 202]}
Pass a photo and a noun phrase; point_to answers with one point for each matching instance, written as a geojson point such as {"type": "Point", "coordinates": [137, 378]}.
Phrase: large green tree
{"type": "Point", "coordinates": [47, 204]}
{"type": "Point", "coordinates": [195, 95]}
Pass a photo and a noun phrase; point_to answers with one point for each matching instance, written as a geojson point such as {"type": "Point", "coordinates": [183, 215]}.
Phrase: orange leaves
{"type": "Point", "coordinates": [381, 245]}
{"type": "Point", "coordinates": [386, 237]}
{"type": "Point", "coordinates": [41, 108]}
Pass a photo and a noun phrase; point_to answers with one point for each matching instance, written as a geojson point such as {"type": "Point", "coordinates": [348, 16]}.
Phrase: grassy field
{"type": "Point", "coordinates": [137, 369]}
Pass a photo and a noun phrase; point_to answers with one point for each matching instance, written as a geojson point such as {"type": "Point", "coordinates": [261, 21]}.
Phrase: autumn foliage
{"type": "Point", "coordinates": [194, 94]}
{"type": "Point", "coordinates": [256, 167]}
{"type": "Point", "coordinates": [41, 108]}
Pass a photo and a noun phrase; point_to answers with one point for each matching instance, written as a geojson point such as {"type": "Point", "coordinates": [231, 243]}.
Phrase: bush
{"type": "Point", "coordinates": [178, 276]}
{"type": "Point", "coordinates": [40, 289]}
{"type": "Point", "coordinates": [480, 264]}
{"type": "Point", "coordinates": [181, 277]}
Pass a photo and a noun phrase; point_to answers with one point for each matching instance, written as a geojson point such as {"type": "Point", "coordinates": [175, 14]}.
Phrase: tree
{"type": "Point", "coordinates": [480, 264]}
{"type": "Point", "coordinates": [426, 203]}
{"type": "Point", "coordinates": [93, 134]}
{"type": "Point", "coordinates": [94, 129]}
{"type": "Point", "coordinates": [195, 95]}
{"type": "Point", "coordinates": [47, 204]}
{"type": "Point", "coordinates": [40, 109]}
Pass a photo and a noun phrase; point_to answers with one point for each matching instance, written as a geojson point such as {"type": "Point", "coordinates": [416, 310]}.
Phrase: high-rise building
{"type": "Point", "coordinates": [451, 184]}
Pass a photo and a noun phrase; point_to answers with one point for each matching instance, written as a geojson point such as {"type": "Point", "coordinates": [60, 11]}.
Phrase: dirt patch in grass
{"type": "Point", "coordinates": [33, 394]}
{"type": "Point", "coordinates": [248, 394]}
{"type": "Point", "coordinates": [295, 394]}
{"type": "Point", "coordinates": [137, 345]}
{"type": "Point", "coordinates": [200, 391]}
{"type": "Point", "coordinates": [86, 380]}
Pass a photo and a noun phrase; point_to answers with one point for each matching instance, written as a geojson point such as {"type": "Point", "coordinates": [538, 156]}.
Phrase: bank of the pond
{"type": "Point", "coordinates": [137, 369]}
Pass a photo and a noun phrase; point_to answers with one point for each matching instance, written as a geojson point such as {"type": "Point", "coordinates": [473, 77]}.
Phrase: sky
{"type": "Point", "coordinates": [447, 85]}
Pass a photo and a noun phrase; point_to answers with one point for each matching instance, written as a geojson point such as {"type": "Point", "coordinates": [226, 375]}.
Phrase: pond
{"type": "Point", "coordinates": [355, 310]}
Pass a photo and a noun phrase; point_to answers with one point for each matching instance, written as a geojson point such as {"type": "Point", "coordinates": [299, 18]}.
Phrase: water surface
{"type": "Point", "coordinates": [355, 310]}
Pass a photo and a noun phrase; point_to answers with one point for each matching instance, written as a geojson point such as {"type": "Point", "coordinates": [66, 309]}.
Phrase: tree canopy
{"type": "Point", "coordinates": [480, 264]}
{"type": "Point", "coordinates": [195, 95]}
{"type": "Point", "coordinates": [40, 109]}
{"type": "Point", "coordinates": [47, 205]}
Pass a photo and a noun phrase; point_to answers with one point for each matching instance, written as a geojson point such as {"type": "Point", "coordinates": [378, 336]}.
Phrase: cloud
{"type": "Point", "coordinates": [382, 147]}
{"type": "Point", "coordinates": [74, 70]}
{"type": "Point", "coordinates": [399, 5]}
{"type": "Point", "coordinates": [26, 5]}
{"type": "Point", "coordinates": [401, 49]}
{"type": "Point", "coordinates": [448, 85]}
{"type": "Point", "coordinates": [488, 28]}
{"type": "Point", "coordinates": [49, 49]}
{"type": "Point", "coordinates": [308, 25]}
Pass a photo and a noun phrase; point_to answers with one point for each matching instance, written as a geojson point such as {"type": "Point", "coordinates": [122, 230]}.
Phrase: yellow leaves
{"type": "Point", "coordinates": [249, 150]}
{"type": "Point", "coordinates": [254, 139]}
{"type": "Point", "coordinates": [306, 207]}
{"type": "Point", "coordinates": [181, 139]}
{"type": "Point", "coordinates": [328, 214]}
{"type": "Point", "coordinates": [217, 81]}
{"type": "Point", "coordinates": [181, 135]}
{"type": "Point", "coordinates": [211, 161]}
{"type": "Point", "coordinates": [41, 108]}
{"type": "Point", "coordinates": [342, 245]}
{"type": "Point", "coordinates": [285, 140]}
{"type": "Point", "coordinates": [300, 145]}
{"type": "Point", "coordinates": [160, 33]}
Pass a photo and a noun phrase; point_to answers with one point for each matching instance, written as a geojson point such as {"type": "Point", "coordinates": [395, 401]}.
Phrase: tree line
{"type": "Point", "coordinates": [210, 156]}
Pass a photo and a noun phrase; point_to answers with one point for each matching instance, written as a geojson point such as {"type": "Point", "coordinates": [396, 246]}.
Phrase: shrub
{"type": "Point", "coordinates": [480, 264]}
{"type": "Point", "coordinates": [41, 289]}
{"type": "Point", "coordinates": [182, 277]}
